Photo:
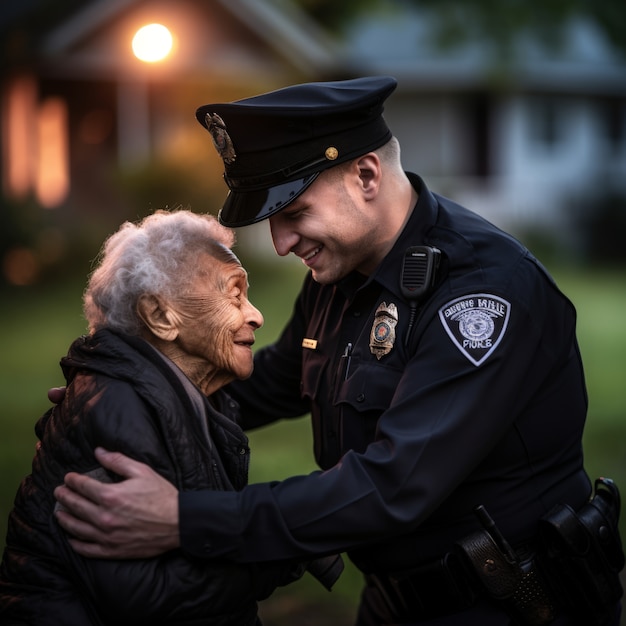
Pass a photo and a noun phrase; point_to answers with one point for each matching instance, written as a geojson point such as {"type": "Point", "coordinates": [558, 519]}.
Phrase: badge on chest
{"type": "Point", "coordinates": [383, 333]}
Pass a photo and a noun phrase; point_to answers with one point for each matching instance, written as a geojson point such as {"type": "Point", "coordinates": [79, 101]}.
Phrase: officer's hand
{"type": "Point", "coordinates": [135, 518]}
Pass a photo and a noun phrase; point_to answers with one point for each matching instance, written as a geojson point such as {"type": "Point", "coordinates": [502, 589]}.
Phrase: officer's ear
{"type": "Point", "coordinates": [159, 318]}
{"type": "Point", "coordinates": [370, 174]}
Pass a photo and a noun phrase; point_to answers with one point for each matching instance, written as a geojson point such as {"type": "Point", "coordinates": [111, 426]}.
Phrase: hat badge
{"type": "Point", "coordinates": [331, 153]}
{"type": "Point", "coordinates": [221, 139]}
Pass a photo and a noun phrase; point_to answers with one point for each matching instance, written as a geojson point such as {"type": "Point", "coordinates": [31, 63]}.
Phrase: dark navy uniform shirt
{"type": "Point", "coordinates": [485, 404]}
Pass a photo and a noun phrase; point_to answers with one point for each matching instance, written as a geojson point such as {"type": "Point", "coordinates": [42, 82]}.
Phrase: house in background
{"type": "Point", "coordinates": [81, 115]}
{"type": "Point", "coordinates": [519, 151]}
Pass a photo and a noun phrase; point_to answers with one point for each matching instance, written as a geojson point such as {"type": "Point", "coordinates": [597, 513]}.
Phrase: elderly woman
{"type": "Point", "coordinates": [170, 324]}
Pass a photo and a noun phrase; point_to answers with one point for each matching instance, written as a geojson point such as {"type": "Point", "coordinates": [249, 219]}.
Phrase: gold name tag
{"type": "Point", "coordinates": [311, 344]}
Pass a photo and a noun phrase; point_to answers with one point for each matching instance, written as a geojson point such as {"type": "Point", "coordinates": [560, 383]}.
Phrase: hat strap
{"type": "Point", "coordinates": [254, 183]}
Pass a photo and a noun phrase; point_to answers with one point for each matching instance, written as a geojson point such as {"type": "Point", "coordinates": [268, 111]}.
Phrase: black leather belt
{"type": "Point", "coordinates": [572, 566]}
{"type": "Point", "coordinates": [437, 588]}
{"type": "Point", "coordinates": [446, 585]}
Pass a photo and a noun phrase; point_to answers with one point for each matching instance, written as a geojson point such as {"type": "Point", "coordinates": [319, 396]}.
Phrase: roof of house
{"type": "Point", "coordinates": [402, 42]}
{"type": "Point", "coordinates": [227, 36]}
{"type": "Point", "coordinates": [248, 38]}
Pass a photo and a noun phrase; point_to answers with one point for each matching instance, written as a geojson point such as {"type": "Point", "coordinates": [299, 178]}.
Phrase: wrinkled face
{"type": "Point", "coordinates": [217, 323]}
{"type": "Point", "coordinates": [331, 228]}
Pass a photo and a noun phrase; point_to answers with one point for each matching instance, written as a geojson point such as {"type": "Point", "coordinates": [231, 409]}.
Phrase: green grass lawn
{"type": "Point", "coordinates": [37, 325]}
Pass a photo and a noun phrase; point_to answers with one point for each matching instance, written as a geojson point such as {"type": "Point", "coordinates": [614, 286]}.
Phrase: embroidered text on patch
{"type": "Point", "coordinates": [476, 324]}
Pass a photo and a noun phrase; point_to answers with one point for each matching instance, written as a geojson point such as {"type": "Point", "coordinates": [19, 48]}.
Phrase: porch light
{"type": "Point", "coordinates": [152, 43]}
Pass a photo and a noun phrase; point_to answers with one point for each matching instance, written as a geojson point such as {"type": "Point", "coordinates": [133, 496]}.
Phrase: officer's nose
{"type": "Point", "coordinates": [284, 237]}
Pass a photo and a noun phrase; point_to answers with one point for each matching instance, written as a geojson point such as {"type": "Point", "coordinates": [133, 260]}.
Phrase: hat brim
{"type": "Point", "coordinates": [242, 208]}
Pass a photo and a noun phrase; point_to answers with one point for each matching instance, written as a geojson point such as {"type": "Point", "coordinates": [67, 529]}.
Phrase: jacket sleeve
{"type": "Point", "coordinates": [446, 418]}
{"type": "Point", "coordinates": [174, 587]}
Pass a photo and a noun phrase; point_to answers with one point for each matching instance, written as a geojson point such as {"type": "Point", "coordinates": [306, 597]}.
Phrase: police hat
{"type": "Point", "coordinates": [275, 145]}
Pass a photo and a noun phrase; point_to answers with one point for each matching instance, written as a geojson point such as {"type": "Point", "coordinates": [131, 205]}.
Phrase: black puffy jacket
{"type": "Point", "coordinates": [124, 396]}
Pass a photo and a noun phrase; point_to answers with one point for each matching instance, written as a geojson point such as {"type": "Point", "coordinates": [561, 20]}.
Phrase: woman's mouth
{"type": "Point", "coordinates": [245, 343]}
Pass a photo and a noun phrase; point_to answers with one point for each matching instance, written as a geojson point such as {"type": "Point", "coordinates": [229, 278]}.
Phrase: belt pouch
{"type": "Point", "coordinates": [581, 556]}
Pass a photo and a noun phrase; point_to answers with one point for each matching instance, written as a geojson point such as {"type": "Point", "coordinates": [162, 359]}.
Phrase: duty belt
{"type": "Point", "coordinates": [572, 568]}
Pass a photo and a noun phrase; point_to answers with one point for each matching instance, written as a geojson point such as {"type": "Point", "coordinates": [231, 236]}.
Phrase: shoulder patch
{"type": "Point", "coordinates": [476, 324]}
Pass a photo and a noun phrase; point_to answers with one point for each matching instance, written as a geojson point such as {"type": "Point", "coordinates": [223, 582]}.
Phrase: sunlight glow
{"type": "Point", "coordinates": [152, 43]}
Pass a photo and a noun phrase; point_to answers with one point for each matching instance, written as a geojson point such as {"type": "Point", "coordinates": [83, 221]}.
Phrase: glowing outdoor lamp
{"type": "Point", "coordinates": [152, 43]}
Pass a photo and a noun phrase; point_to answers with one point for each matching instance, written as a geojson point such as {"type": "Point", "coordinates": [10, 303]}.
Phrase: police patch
{"type": "Point", "coordinates": [476, 324]}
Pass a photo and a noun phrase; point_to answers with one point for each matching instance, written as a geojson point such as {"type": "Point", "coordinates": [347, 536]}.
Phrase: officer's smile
{"type": "Point", "coordinates": [311, 255]}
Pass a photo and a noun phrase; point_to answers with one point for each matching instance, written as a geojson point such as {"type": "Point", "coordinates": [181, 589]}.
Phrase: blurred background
{"type": "Point", "coordinates": [515, 108]}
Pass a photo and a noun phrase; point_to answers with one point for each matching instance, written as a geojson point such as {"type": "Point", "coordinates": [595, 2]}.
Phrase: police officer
{"type": "Point", "coordinates": [436, 356]}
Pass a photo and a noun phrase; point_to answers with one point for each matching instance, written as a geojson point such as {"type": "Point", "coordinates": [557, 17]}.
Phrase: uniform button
{"type": "Point", "coordinates": [206, 547]}
{"type": "Point", "coordinates": [356, 314]}
{"type": "Point", "coordinates": [242, 451]}
{"type": "Point", "coordinates": [360, 397]}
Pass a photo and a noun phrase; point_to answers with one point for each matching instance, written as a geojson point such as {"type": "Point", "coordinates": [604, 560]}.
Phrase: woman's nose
{"type": "Point", "coordinates": [254, 317]}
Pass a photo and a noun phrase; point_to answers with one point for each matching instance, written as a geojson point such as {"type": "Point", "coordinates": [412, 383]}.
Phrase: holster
{"type": "Point", "coordinates": [581, 556]}
{"type": "Point", "coordinates": [516, 585]}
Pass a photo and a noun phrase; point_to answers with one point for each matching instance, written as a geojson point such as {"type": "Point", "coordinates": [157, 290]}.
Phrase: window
{"type": "Point", "coordinates": [35, 145]}
{"type": "Point", "coordinates": [544, 123]}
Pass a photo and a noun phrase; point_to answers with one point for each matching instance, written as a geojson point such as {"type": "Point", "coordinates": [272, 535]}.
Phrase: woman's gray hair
{"type": "Point", "coordinates": [155, 256]}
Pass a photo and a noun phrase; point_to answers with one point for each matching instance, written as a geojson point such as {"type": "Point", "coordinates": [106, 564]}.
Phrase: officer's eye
{"type": "Point", "coordinates": [294, 215]}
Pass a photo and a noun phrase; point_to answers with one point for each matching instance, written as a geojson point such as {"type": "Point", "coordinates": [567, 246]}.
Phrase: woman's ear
{"type": "Point", "coordinates": [370, 174]}
{"type": "Point", "coordinates": [158, 317]}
